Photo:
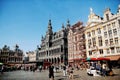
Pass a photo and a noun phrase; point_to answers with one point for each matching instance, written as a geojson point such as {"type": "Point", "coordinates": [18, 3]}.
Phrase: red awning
{"type": "Point", "coordinates": [99, 59]}
{"type": "Point", "coordinates": [113, 58]}
{"type": "Point", "coordinates": [103, 58]}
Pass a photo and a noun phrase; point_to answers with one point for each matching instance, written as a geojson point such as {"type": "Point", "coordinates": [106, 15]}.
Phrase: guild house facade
{"type": "Point", "coordinates": [54, 46]}
{"type": "Point", "coordinates": [76, 44]}
{"type": "Point", "coordinates": [103, 35]}
{"type": "Point", "coordinates": [11, 57]}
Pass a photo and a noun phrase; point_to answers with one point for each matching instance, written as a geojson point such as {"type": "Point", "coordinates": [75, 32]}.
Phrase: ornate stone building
{"type": "Point", "coordinates": [93, 35]}
{"type": "Point", "coordinates": [11, 57]}
{"type": "Point", "coordinates": [54, 46]}
{"type": "Point", "coordinates": [103, 35]}
{"type": "Point", "coordinates": [76, 44]}
{"type": "Point", "coordinates": [31, 56]}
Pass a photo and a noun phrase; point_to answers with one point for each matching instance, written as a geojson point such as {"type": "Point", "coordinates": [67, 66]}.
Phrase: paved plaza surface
{"type": "Point", "coordinates": [78, 75]}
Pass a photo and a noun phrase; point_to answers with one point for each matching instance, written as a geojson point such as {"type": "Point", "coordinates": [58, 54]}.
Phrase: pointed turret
{"type": "Point", "coordinates": [49, 32]}
{"type": "Point", "coordinates": [42, 37]}
{"type": "Point", "coordinates": [68, 23]}
{"type": "Point", "coordinates": [16, 47]}
{"type": "Point", "coordinates": [49, 24]}
{"type": "Point", "coordinates": [63, 27]}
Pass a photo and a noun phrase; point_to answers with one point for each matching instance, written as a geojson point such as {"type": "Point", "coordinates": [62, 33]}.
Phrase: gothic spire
{"type": "Point", "coordinates": [49, 28]}
{"type": "Point", "coordinates": [49, 24]}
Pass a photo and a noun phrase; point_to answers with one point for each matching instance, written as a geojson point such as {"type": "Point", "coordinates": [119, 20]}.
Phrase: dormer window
{"type": "Point", "coordinates": [107, 16]}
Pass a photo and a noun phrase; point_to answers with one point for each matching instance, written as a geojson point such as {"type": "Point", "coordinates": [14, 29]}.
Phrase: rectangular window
{"type": "Point", "coordinates": [75, 38]}
{"type": "Point", "coordinates": [104, 27]}
{"type": "Point", "coordinates": [115, 31]}
{"type": "Point", "coordinates": [99, 31]}
{"type": "Point", "coordinates": [89, 43]}
{"type": "Point", "coordinates": [108, 26]}
{"type": "Point", "coordinates": [113, 24]}
{"type": "Point", "coordinates": [116, 40]}
{"type": "Point", "coordinates": [110, 33]}
{"type": "Point", "coordinates": [101, 51]}
{"type": "Point", "coordinates": [105, 34]}
{"type": "Point", "coordinates": [93, 32]}
{"type": "Point", "coordinates": [100, 41]}
{"type": "Point", "coordinates": [112, 50]}
{"type": "Point", "coordinates": [118, 49]}
{"type": "Point", "coordinates": [111, 41]}
{"type": "Point", "coordinates": [106, 42]}
{"type": "Point", "coordinates": [94, 42]}
{"type": "Point", "coordinates": [90, 52]}
{"type": "Point", "coordinates": [119, 23]}
{"type": "Point", "coordinates": [107, 16]}
{"type": "Point", "coordinates": [88, 34]}
{"type": "Point", "coordinates": [108, 51]}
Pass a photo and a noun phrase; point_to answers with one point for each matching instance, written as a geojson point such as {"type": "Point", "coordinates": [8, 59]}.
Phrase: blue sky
{"type": "Point", "coordinates": [23, 22]}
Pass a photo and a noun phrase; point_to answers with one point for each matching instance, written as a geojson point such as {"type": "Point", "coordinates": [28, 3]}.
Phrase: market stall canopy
{"type": "Point", "coordinates": [97, 59]}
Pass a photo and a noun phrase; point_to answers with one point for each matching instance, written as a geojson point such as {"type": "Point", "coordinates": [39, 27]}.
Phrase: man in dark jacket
{"type": "Point", "coordinates": [51, 73]}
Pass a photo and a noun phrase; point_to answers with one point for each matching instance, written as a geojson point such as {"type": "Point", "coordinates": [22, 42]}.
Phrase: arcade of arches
{"type": "Point", "coordinates": [56, 60]}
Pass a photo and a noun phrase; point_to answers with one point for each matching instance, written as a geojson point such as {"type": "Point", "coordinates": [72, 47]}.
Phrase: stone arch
{"type": "Point", "coordinates": [55, 60]}
{"type": "Point", "coordinates": [58, 60]}
{"type": "Point", "coordinates": [52, 60]}
{"type": "Point", "coordinates": [47, 60]}
{"type": "Point", "coordinates": [62, 59]}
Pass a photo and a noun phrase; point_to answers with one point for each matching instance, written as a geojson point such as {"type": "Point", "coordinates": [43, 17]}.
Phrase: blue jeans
{"type": "Point", "coordinates": [104, 72]}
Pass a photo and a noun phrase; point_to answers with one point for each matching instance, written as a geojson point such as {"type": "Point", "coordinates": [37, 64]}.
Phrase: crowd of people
{"type": "Point", "coordinates": [103, 68]}
{"type": "Point", "coordinates": [68, 70]}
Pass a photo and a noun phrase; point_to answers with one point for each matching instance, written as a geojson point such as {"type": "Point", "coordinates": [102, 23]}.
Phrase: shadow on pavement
{"type": "Point", "coordinates": [76, 76]}
{"type": "Point", "coordinates": [116, 74]}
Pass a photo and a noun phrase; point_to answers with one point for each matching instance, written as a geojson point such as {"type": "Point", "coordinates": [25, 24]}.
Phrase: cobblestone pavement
{"type": "Point", "coordinates": [82, 75]}
{"type": "Point", "coordinates": [78, 75]}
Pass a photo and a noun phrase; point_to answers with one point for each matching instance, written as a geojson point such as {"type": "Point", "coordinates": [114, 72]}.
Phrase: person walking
{"type": "Point", "coordinates": [40, 68]}
{"type": "Point", "coordinates": [51, 72]}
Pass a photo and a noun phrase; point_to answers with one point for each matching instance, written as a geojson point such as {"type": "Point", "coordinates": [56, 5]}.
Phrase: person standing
{"type": "Point", "coordinates": [64, 70]}
{"type": "Point", "coordinates": [2, 68]}
{"type": "Point", "coordinates": [51, 73]}
{"type": "Point", "coordinates": [71, 74]}
{"type": "Point", "coordinates": [104, 69]}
